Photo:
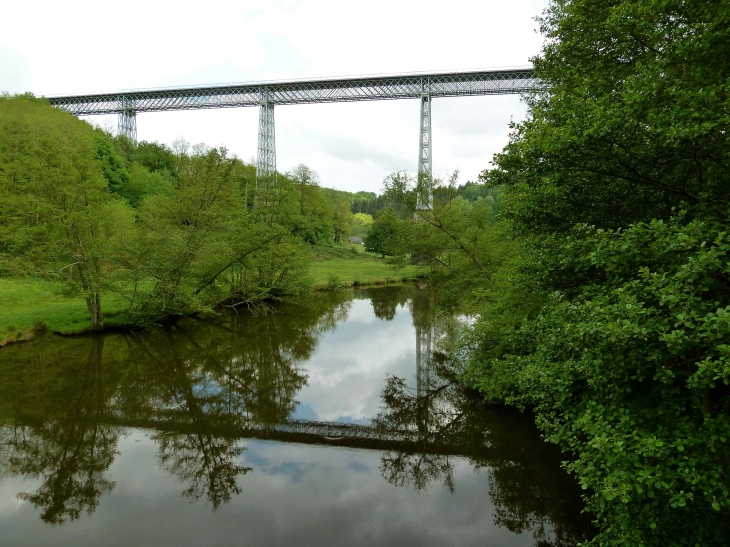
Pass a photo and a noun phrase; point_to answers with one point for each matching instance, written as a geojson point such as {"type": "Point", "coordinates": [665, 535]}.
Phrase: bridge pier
{"type": "Point", "coordinates": [423, 377]}
{"type": "Point", "coordinates": [425, 155]}
{"type": "Point", "coordinates": [127, 125]}
{"type": "Point", "coordinates": [266, 157]}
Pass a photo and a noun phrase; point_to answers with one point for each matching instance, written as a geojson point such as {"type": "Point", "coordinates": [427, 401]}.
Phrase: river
{"type": "Point", "coordinates": [336, 420]}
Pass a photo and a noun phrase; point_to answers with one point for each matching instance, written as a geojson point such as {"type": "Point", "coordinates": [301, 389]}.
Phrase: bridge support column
{"type": "Point", "coordinates": [127, 125]}
{"type": "Point", "coordinates": [423, 376]}
{"type": "Point", "coordinates": [425, 154]}
{"type": "Point", "coordinates": [266, 157]}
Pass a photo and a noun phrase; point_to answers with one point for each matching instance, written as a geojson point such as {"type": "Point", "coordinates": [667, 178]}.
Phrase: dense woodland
{"type": "Point", "coordinates": [170, 229]}
{"type": "Point", "coordinates": [593, 254]}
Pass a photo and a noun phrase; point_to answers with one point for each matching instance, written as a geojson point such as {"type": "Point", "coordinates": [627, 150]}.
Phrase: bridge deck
{"type": "Point", "coordinates": [369, 88]}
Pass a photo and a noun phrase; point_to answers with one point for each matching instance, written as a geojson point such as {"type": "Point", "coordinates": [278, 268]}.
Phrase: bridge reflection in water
{"type": "Point", "coordinates": [201, 387]}
{"type": "Point", "coordinates": [375, 436]}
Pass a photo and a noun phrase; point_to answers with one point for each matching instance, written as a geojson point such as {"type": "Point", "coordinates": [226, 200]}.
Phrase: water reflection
{"type": "Point", "coordinates": [203, 388]}
{"type": "Point", "coordinates": [57, 434]}
{"type": "Point", "coordinates": [443, 419]}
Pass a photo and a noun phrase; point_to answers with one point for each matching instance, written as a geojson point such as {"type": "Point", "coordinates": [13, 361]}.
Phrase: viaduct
{"type": "Point", "coordinates": [266, 95]}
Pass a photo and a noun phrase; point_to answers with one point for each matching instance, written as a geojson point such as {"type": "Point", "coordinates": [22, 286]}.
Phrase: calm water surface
{"type": "Point", "coordinates": [335, 421]}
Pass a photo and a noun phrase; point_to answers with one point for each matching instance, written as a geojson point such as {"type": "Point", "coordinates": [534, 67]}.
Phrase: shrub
{"type": "Point", "coordinates": [333, 282]}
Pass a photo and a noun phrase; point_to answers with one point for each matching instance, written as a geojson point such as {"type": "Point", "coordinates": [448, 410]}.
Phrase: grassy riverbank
{"type": "Point", "coordinates": [349, 265]}
{"type": "Point", "coordinates": [30, 305]}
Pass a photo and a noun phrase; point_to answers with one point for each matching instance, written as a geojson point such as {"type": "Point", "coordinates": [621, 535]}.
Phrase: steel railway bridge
{"type": "Point", "coordinates": [265, 95]}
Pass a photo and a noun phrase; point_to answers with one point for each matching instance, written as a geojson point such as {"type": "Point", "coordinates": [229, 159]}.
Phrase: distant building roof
{"type": "Point", "coordinates": [355, 239]}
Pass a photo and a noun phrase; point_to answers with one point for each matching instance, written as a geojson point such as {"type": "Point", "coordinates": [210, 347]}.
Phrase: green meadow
{"type": "Point", "coordinates": [30, 305]}
{"type": "Point", "coordinates": [349, 265]}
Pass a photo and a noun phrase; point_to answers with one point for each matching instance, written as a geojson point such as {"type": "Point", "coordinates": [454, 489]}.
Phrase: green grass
{"type": "Point", "coordinates": [26, 304]}
{"type": "Point", "coordinates": [349, 265]}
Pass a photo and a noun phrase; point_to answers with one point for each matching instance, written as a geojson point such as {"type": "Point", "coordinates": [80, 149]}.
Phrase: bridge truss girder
{"type": "Point", "coordinates": [370, 88]}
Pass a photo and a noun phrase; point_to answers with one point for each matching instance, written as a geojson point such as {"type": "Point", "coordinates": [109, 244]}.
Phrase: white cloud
{"type": "Point", "coordinates": [78, 46]}
{"type": "Point", "coordinates": [14, 77]}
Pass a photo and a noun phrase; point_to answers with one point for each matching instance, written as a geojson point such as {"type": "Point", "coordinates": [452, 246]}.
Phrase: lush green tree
{"type": "Point", "coordinates": [244, 174]}
{"type": "Point", "coordinates": [471, 191]}
{"type": "Point", "coordinates": [341, 219]}
{"type": "Point", "coordinates": [321, 215]}
{"type": "Point", "coordinates": [383, 234]}
{"type": "Point", "coordinates": [306, 182]}
{"type": "Point", "coordinates": [631, 117]}
{"type": "Point", "coordinates": [621, 347]}
{"type": "Point", "coordinates": [59, 214]}
{"type": "Point", "coordinates": [632, 371]}
{"type": "Point", "coordinates": [155, 157]}
{"type": "Point", "coordinates": [454, 237]}
{"type": "Point", "coordinates": [144, 183]}
{"type": "Point", "coordinates": [361, 223]}
{"type": "Point", "coordinates": [115, 172]}
{"type": "Point", "coordinates": [196, 246]}
{"type": "Point", "coordinates": [367, 202]}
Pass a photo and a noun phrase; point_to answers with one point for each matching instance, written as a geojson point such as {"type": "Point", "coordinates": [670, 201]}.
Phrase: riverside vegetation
{"type": "Point", "coordinates": [593, 255]}
{"type": "Point", "coordinates": [96, 231]}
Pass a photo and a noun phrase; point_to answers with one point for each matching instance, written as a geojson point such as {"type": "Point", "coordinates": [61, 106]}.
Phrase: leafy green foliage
{"type": "Point", "coordinates": [631, 119]}
{"type": "Point", "coordinates": [143, 183]}
{"type": "Point", "coordinates": [361, 224]}
{"type": "Point", "coordinates": [383, 233]}
{"type": "Point", "coordinates": [612, 322]}
{"type": "Point", "coordinates": [631, 375]}
{"type": "Point", "coordinates": [113, 167]}
{"type": "Point", "coordinates": [452, 236]}
{"type": "Point", "coordinates": [197, 247]}
{"type": "Point", "coordinates": [154, 157]}
{"type": "Point", "coordinates": [169, 231]}
{"type": "Point", "coordinates": [59, 217]}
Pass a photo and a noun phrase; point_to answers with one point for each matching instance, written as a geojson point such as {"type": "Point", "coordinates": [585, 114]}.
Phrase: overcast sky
{"type": "Point", "coordinates": [74, 46]}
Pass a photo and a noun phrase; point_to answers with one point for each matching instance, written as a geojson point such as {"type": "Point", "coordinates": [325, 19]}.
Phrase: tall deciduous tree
{"type": "Point", "coordinates": [58, 212]}
{"type": "Point", "coordinates": [631, 117]}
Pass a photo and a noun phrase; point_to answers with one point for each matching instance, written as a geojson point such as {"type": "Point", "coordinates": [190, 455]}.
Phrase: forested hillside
{"type": "Point", "coordinates": [164, 230]}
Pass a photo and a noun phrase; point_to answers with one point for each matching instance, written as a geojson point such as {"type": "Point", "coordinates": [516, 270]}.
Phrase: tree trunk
{"type": "Point", "coordinates": [707, 402]}
{"type": "Point", "coordinates": [93, 303]}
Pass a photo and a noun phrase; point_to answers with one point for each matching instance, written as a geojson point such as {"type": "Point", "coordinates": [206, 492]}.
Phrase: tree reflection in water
{"type": "Point", "coordinates": [57, 436]}
{"type": "Point", "coordinates": [199, 384]}
{"type": "Point", "coordinates": [204, 381]}
{"type": "Point", "coordinates": [195, 383]}
{"type": "Point", "coordinates": [528, 489]}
